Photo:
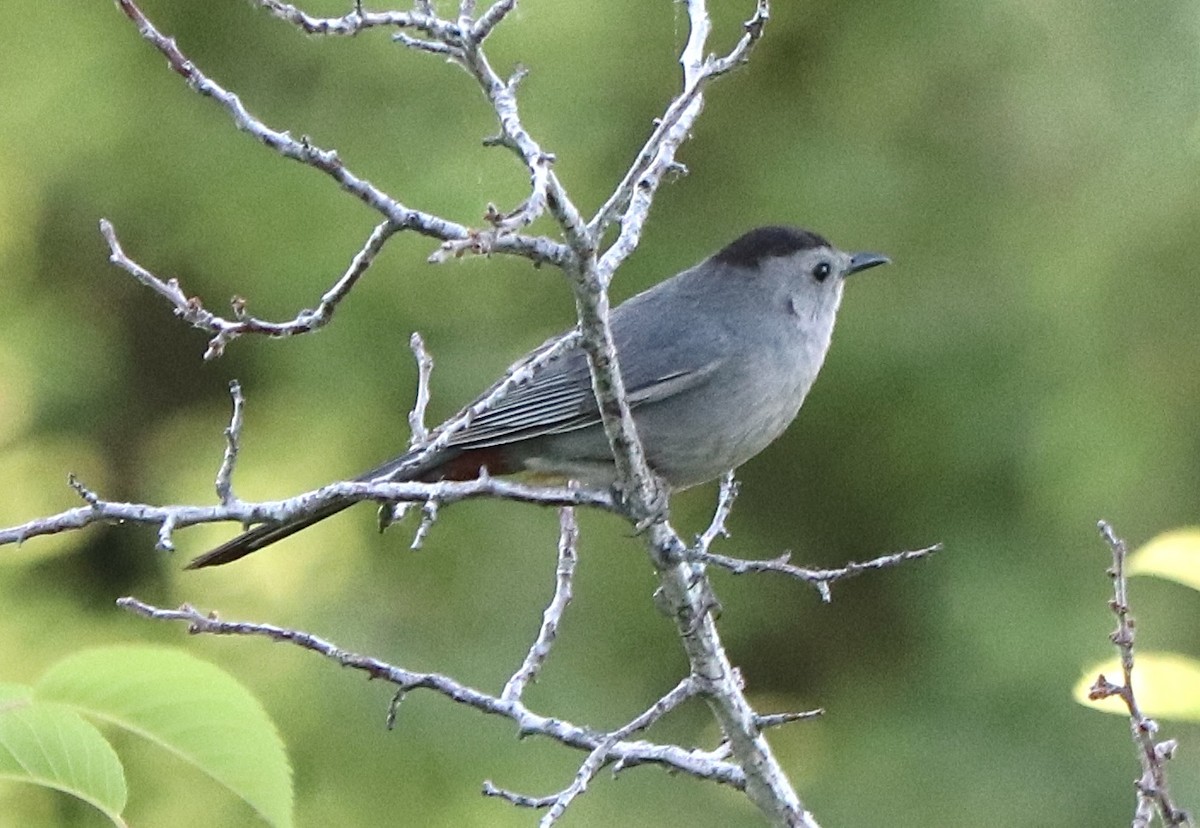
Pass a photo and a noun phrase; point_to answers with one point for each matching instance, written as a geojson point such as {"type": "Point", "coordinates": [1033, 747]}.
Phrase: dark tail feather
{"type": "Point", "coordinates": [448, 464]}
{"type": "Point", "coordinates": [260, 536]}
{"type": "Point", "coordinates": [267, 533]}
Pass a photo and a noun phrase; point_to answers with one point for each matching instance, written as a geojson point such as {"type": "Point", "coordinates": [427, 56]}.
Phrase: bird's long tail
{"type": "Point", "coordinates": [446, 464]}
{"type": "Point", "coordinates": [263, 535]}
{"type": "Point", "coordinates": [266, 534]}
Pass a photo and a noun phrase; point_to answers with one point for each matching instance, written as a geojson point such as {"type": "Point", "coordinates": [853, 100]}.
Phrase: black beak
{"type": "Point", "coordinates": [862, 261]}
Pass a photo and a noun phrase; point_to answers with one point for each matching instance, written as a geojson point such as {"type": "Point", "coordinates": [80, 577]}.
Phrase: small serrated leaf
{"type": "Point", "coordinates": [52, 745]}
{"type": "Point", "coordinates": [1167, 686]}
{"type": "Point", "coordinates": [188, 706]}
{"type": "Point", "coordinates": [1173, 555]}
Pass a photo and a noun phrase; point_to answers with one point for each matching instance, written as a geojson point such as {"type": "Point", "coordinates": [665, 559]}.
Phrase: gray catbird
{"type": "Point", "coordinates": [716, 362]}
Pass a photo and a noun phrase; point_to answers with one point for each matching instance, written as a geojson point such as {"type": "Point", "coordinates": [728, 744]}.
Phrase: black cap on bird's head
{"type": "Point", "coordinates": [751, 249]}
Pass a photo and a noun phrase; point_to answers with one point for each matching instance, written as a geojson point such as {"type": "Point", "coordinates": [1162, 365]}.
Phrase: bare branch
{"type": "Point", "coordinates": [491, 18]}
{"type": "Point", "coordinates": [462, 41]}
{"type": "Point", "coordinates": [224, 331]}
{"type": "Point", "coordinates": [170, 517]}
{"type": "Point", "coordinates": [83, 491]}
{"type": "Point", "coordinates": [390, 513]}
{"type": "Point", "coordinates": [686, 590]}
{"type": "Point", "coordinates": [358, 266]}
{"type": "Point", "coordinates": [416, 419]}
{"type": "Point", "coordinates": [429, 516]}
{"type": "Point", "coordinates": [777, 719]}
{"type": "Point", "coordinates": [568, 542]}
{"type": "Point", "coordinates": [165, 531]}
{"type": "Point", "coordinates": [466, 10]}
{"type": "Point", "coordinates": [819, 578]}
{"type": "Point", "coordinates": [422, 45]}
{"type": "Point", "coordinates": [602, 753]}
{"type": "Point", "coordinates": [1152, 791]}
{"type": "Point", "coordinates": [233, 436]}
{"type": "Point", "coordinates": [304, 151]}
{"type": "Point", "coordinates": [632, 197]}
{"type": "Point", "coordinates": [514, 798]}
{"type": "Point", "coordinates": [717, 66]}
{"type": "Point", "coordinates": [701, 764]}
{"type": "Point", "coordinates": [533, 206]}
{"type": "Point", "coordinates": [547, 191]}
{"type": "Point", "coordinates": [104, 511]}
{"type": "Point", "coordinates": [357, 20]}
{"type": "Point", "coordinates": [726, 495]}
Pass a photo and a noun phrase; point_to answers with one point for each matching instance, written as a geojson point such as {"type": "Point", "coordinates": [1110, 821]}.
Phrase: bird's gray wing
{"type": "Point", "coordinates": [668, 340]}
{"type": "Point", "coordinates": [559, 399]}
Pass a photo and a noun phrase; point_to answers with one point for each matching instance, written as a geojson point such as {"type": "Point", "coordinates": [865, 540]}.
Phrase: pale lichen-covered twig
{"type": "Point", "coordinates": [727, 493]}
{"type": "Point", "coordinates": [233, 441]}
{"type": "Point", "coordinates": [630, 201]}
{"type": "Point", "coordinates": [402, 217]}
{"type": "Point", "coordinates": [416, 418]}
{"type": "Point", "coordinates": [1151, 789]}
{"type": "Point", "coordinates": [568, 556]}
{"type": "Point", "coordinates": [174, 517]}
{"type": "Point", "coordinates": [698, 763]}
{"type": "Point", "coordinates": [600, 756]}
{"type": "Point", "coordinates": [192, 310]}
{"type": "Point", "coordinates": [821, 579]}
{"type": "Point", "coordinates": [461, 41]}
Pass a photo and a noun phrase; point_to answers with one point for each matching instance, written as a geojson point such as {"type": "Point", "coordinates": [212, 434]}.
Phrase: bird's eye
{"type": "Point", "coordinates": [821, 271]}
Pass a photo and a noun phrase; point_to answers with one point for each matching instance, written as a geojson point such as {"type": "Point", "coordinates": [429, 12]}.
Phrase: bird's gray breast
{"type": "Point", "coordinates": [751, 367]}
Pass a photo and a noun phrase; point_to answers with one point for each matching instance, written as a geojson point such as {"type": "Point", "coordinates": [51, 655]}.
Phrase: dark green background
{"type": "Point", "coordinates": [1027, 366]}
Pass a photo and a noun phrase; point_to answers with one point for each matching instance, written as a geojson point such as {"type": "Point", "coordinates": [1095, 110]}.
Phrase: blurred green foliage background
{"type": "Point", "coordinates": [1028, 365]}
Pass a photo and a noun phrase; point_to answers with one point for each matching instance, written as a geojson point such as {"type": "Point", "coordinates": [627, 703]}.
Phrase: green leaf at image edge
{"type": "Point", "coordinates": [14, 694]}
{"type": "Point", "coordinates": [52, 745]}
{"type": "Point", "coordinates": [1167, 686]}
{"type": "Point", "coordinates": [187, 706]}
{"type": "Point", "coordinates": [1173, 555]}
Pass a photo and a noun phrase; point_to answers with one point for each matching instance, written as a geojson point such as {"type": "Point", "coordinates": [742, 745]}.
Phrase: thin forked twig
{"type": "Point", "coordinates": [540, 250]}
{"type": "Point", "coordinates": [233, 438]}
{"type": "Point", "coordinates": [224, 330]}
{"type": "Point", "coordinates": [170, 518]}
{"type": "Point", "coordinates": [628, 753]}
{"type": "Point", "coordinates": [568, 557]}
{"type": "Point", "coordinates": [630, 201]}
{"type": "Point", "coordinates": [821, 579]}
{"type": "Point", "coordinates": [1152, 790]}
{"type": "Point", "coordinates": [416, 418]}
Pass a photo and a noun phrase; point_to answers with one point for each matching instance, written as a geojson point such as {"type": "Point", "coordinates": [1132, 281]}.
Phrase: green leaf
{"type": "Point", "coordinates": [1167, 686]}
{"type": "Point", "coordinates": [52, 745]}
{"type": "Point", "coordinates": [187, 706]}
{"type": "Point", "coordinates": [1173, 555]}
{"type": "Point", "coordinates": [14, 694]}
